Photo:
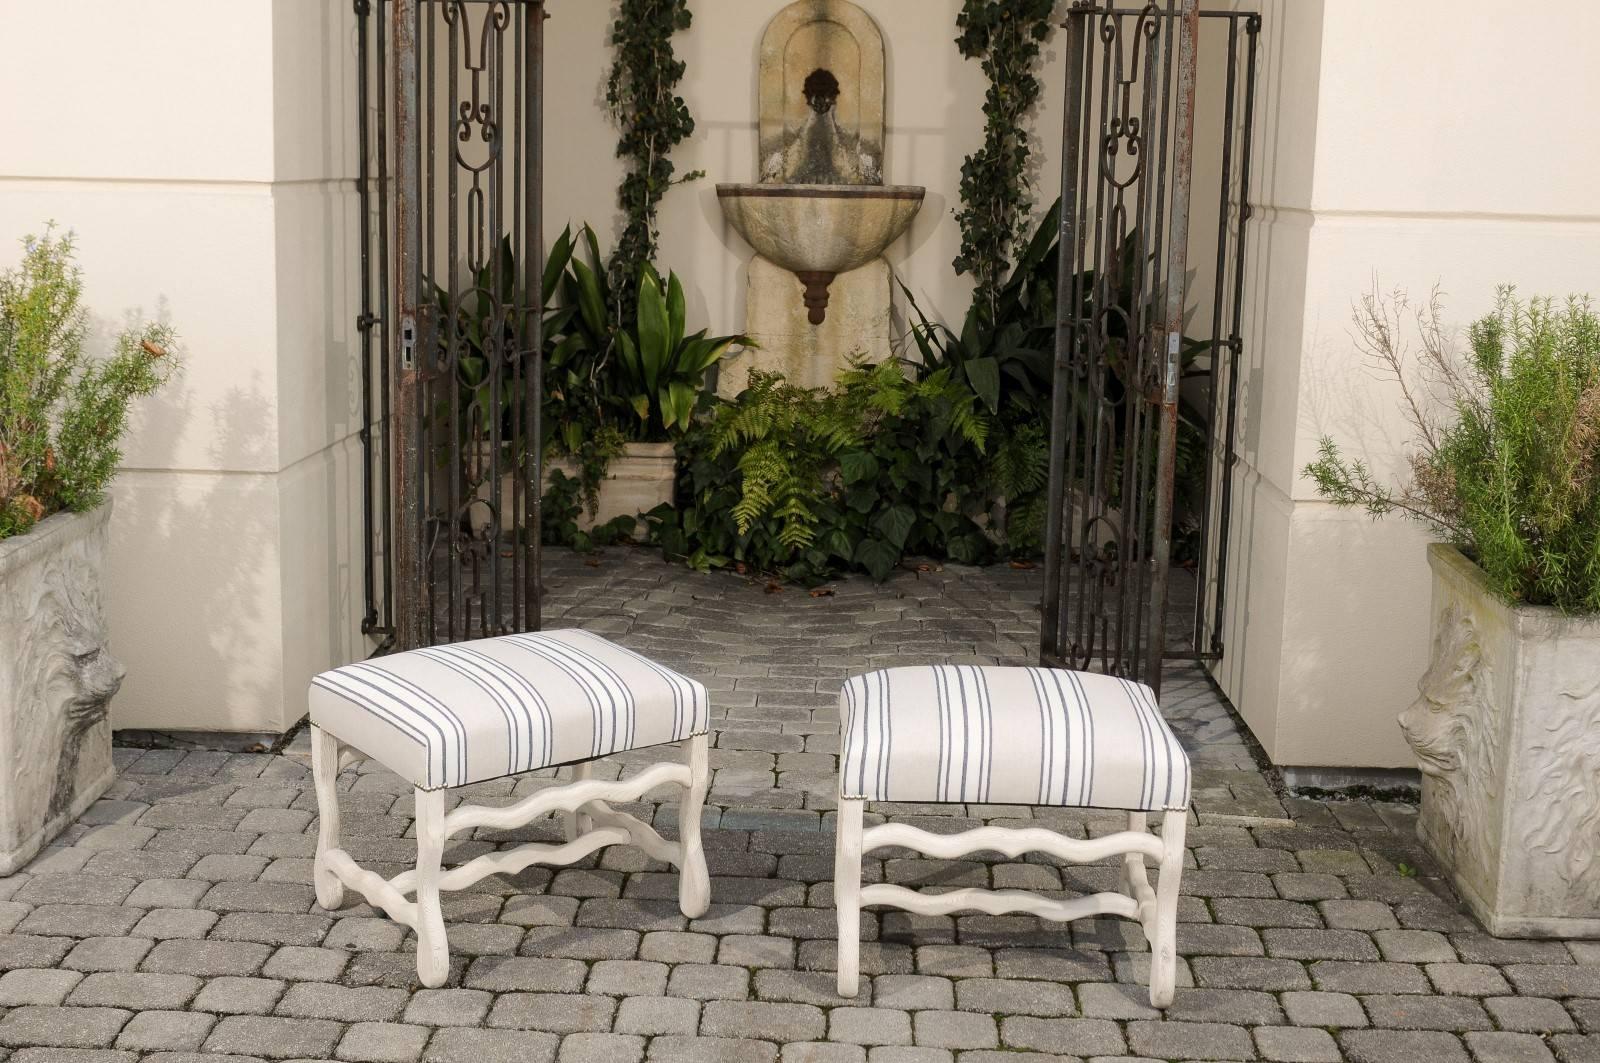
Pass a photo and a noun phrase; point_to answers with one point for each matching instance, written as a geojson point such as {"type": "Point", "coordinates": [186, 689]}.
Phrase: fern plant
{"type": "Point", "coordinates": [1510, 474]}
{"type": "Point", "coordinates": [62, 412]}
{"type": "Point", "coordinates": [786, 438]}
{"type": "Point", "coordinates": [805, 483]}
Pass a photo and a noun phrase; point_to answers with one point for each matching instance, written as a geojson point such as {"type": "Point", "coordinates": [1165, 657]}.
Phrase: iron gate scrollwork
{"type": "Point", "coordinates": [451, 128]}
{"type": "Point", "coordinates": [1128, 381]}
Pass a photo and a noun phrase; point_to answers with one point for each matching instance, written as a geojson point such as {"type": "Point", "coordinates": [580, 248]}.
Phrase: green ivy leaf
{"type": "Point", "coordinates": [877, 557]}
{"type": "Point", "coordinates": [858, 465]}
{"type": "Point", "coordinates": [896, 522]}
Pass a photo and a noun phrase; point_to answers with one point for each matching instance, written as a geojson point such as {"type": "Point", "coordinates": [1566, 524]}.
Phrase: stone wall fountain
{"type": "Point", "coordinates": [820, 216]}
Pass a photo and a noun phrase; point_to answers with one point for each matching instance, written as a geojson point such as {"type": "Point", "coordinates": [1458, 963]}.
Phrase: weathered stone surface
{"type": "Point", "coordinates": [57, 679]}
{"type": "Point", "coordinates": [1506, 732]}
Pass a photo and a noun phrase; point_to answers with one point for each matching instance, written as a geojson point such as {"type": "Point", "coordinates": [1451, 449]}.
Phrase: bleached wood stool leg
{"type": "Point", "coordinates": [1133, 863]}
{"type": "Point", "coordinates": [1164, 941]}
{"type": "Point", "coordinates": [694, 882]}
{"type": "Point", "coordinates": [847, 893]}
{"type": "Point", "coordinates": [325, 776]}
{"type": "Point", "coordinates": [578, 823]}
{"type": "Point", "coordinates": [433, 948]}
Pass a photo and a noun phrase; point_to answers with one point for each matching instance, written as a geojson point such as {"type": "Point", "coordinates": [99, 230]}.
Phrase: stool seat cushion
{"type": "Point", "coordinates": [458, 714]}
{"type": "Point", "coordinates": [1026, 736]}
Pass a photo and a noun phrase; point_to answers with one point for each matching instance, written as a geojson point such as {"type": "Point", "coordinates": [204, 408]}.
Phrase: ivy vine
{"type": "Point", "coordinates": [1006, 35]}
{"type": "Point", "coordinates": [653, 119]}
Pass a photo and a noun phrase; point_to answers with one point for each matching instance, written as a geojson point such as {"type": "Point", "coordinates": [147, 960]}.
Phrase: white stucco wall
{"type": "Point", "coordinates": [198, 157]}
{"type": "Point", "coordinates": [933, 119]}
{"type": "Point", "coordinates": [1419, 143]}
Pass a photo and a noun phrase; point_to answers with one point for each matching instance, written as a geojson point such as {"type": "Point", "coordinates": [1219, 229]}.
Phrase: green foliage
{"type": "Point", "coordinates": [1005, 351]}
{"type": "Point", "coordinates": [563, 505]}
{"type": "Point", "coordinates": [62, 412]}
{"type": "Point", "coordinates": [653, 120]}
{"type": "Point", "coordinates": [1513, 478]}
{"type": "Point", "coordinates": [478, 320]}
{"type": "Point", "coordinates": [644, 376]}
{"type": "Point", "coordinates": [1006, 36]}
{"type": "Point", "coordinates": [807, 483]}
{"type": "Point", "coordinates": [662, 371]}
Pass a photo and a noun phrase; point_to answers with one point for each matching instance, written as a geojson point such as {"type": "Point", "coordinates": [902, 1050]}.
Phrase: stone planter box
{"type": "Point", "coordinates": [1507, 735]}
{"type": "Point", "coordinates": [636, 482]}
{"type": "Point", "coordinates": [56, 681]}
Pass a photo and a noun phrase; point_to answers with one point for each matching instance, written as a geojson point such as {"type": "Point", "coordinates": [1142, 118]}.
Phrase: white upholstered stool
{"type": "Point", "coordinates": [1011, 736]}
{"type": "Point", "coordinates": [450, 716]}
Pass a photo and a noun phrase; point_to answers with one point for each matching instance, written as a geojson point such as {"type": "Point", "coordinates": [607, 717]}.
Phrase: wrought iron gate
{"type": "Point", "coordinates": [452, 349]}
{"type": "Point", "coordinates": [1129, 385]}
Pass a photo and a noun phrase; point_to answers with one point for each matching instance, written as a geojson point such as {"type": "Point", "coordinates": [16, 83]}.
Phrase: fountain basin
{"type": "Point", "coordinates": [819, 231]}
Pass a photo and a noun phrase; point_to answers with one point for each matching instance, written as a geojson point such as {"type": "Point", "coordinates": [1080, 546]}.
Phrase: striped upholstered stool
{"type": "Point", "coordinates": [1012, 736]}
{"type": "Point", "coordinates": [455, 715]}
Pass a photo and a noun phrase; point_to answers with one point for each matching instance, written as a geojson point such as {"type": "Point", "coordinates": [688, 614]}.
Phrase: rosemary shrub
{"type": "Point", "coordinates": [1511, 475]}
{"type": "Point", "coordinates": [62, 412]}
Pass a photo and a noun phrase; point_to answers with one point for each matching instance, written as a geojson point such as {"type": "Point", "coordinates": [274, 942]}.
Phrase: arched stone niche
{"type": "Point", "coordinates": [841, 39]}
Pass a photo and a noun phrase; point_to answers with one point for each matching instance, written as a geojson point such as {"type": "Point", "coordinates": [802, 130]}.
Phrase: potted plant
{"type": "Point", "coordinates": [621, 391]}
{"type": "Point", "coordinates": [1507, 725]}
{"type": "Point", "coordinates": [62, 416]}
{"type": "Point", "coordinates": [617, 392]}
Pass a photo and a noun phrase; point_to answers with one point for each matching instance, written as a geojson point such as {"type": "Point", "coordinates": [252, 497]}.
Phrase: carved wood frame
{"type": "Point", "coordinates": [1155, 909]}
{"type": "Point", "coordinates": [590, 822]}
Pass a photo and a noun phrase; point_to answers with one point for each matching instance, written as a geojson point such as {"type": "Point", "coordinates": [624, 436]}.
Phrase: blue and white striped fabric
{"type": "Point", "coordinates": [1022, 736]}
{"type": "Point", "coordinates": [453, 715]}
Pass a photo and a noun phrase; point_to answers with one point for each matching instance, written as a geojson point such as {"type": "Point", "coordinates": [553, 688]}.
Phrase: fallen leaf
{"type": "Point", "coordinates": [774, 587]}
{"type": "Point", "coordinates": [1022, 564]}
{"type": "Point", "coordinates": [822, 592]}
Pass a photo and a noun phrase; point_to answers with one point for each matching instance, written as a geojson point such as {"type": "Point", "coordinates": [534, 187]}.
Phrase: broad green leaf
{"type": "Point", "coordinates": [556, 264]}
{"type": "Point", "coordinates": [1043, 243]}
{"type": "Point", "coordinates": [858, 465]}
{"type": "Point", "coordinates": [861, 499]}
{"type": "Point", "coordinates": [701, 354]}
{"type": "Point", "coordinates": [653, 332]}
{"type": "Point", "coordinates": [877, 557]}
{"type": "Point", "coordinates": [896, 523]}
{"type": "Point", "coordinates": [564, 350]}
{"type": "Point", "coordinates": [630, 358]}
{"type": "Point", "coordinates": [677, 313]}
{"type": "Point", "coordinates": [984, 376]}
{"type": "Point", "coordinates": [677, 404]}
{"type": "Point", "coordinates": [641, 406]}
{"type": "Point", "coordinates": [590, 302]}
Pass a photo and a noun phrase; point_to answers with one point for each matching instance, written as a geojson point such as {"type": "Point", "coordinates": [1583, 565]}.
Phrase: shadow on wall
{"type": "Point", "coordinates": [192, 557]}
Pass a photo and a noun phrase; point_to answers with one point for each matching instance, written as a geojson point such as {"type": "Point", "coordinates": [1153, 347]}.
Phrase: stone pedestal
{"type": "Point", "coordinates": [56, 681]}
{"type": "Point", "coordinates": [1507, 734]}
{"type": "Point", "coordinates": [810, 355]}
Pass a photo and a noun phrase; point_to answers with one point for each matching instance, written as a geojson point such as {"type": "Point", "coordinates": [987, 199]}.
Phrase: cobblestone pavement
{"type": "Point", "coordinates": [177, 917]}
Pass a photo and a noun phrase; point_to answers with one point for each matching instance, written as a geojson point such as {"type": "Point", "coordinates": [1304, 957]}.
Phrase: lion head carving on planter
{"type": "Point", "coordinates": [1453, 729]}
{"type": "Point", "coordinates": [73, 670]}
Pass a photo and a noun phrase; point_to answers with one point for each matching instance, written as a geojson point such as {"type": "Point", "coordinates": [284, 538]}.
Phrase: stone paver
{"type": "Point", "coordinates": [176, 923]}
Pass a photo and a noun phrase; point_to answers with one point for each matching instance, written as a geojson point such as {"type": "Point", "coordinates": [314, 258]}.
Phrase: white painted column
{"type": "Point", "coordinates": [1467, 177]}
{"type": "Point", "coordinates": [200, 157]}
